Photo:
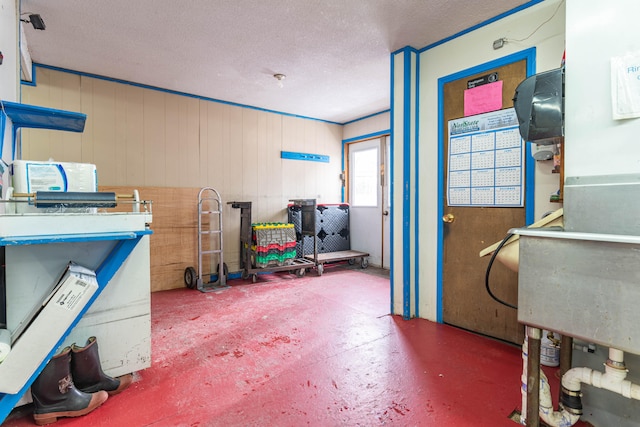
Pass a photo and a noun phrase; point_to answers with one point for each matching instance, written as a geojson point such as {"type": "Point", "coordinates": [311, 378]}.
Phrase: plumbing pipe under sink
{"type": "Point", "coordinates": [613, 379]}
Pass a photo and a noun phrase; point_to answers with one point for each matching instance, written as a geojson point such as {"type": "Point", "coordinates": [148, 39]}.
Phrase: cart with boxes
{"type": "Point", "coordinates": [271, 247]}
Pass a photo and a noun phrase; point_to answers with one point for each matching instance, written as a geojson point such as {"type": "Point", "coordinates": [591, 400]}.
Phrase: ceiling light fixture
{"type": "Point", "coordinates": [280, 78]}
{"type": "Point", "coordinates": [36, 20]}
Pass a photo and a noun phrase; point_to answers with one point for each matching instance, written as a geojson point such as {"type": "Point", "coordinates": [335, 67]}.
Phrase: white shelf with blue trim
{"type": "Point", "coordinates": [118, 235]}
{"type": "Point", "coordinates": [38, 246]}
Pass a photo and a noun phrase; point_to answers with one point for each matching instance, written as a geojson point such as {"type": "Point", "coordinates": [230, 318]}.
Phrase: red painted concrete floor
{"type": "Point", "coordinates": [312, 351]}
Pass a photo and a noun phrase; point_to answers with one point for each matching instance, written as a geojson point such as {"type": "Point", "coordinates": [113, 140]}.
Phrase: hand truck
{"type": "Point", "coordinates": [209, 224]}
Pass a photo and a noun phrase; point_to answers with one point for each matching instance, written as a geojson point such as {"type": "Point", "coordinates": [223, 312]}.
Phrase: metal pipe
{"type": "Point", "coordinates": [64, 199]}
{"type": "Point", "coordinates": [566, 356]}
{"type": "Point", "coordinates": [546, 412]}
{"type": "Point", "coordinates": [523, 378]}
{"type": "Point", "coordinates": [52, 199]}
{"type": "Point", "coordinates": [135, 196]}
{"type": "Point", "coordinates": [533, 376]}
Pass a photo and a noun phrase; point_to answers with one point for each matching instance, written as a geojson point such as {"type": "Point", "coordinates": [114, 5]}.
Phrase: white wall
{"type": "Point", "coordinates": [9, 70]}
{"type": "Point", "coordinates": [468, 51]}
{"type": "Point", "coordinates": [596, 32]}
{"type": "Point", "coordinates": [378, 123]}
{"type": "Point", "coordinates": [595, 144]}
{"type": "Point", "coordinates": [149, 138]}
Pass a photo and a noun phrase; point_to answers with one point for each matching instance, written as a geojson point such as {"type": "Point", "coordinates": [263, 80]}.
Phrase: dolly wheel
{"type": "Point", "coordinates": [244, 275]}
{"type": "Point", "coordinates": [364, 263]}
{"type": "Point", "coordinates": [190, 277]}
{"type": "Point", "coordinates": [352, 261]}
{"type": "Point", "coordinates": [300, 273]}
{"type": "Point", "coordinates": [320, 268]}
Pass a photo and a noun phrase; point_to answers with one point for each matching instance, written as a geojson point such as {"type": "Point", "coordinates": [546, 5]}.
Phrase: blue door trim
{"type": "Point", "coordinates": [529, 55]}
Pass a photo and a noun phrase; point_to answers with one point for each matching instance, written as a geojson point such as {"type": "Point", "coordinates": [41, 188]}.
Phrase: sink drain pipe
{"type": "Point", "coordinates": [613, 379]}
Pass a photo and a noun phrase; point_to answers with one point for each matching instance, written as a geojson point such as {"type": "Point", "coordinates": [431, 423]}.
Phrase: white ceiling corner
{"type": "Point", "coordinates": [335, 53]}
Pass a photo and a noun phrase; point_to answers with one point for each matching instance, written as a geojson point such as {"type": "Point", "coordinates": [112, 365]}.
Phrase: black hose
{"type": "Point", "coordinates": [486, 277]}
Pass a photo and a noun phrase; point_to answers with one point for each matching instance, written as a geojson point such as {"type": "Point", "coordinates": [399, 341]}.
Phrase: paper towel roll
{"type": "Point", "coordinates": [5, 343]}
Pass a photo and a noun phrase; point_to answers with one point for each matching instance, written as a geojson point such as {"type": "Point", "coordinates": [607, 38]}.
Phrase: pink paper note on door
{"type": "Point", "coordinates": [482, 99]}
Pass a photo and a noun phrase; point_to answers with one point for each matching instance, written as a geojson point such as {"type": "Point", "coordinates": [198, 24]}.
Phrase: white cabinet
{"type": "Point", "coordinates": [116, 246]}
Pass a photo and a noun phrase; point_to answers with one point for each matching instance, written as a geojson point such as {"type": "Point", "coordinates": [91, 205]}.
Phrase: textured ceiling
{"type": "Point", "coordinates": [335, 53]}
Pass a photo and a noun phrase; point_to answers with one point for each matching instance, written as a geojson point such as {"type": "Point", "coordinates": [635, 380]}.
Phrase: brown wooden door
{"type": "Point", "coordinates": [466, 303]}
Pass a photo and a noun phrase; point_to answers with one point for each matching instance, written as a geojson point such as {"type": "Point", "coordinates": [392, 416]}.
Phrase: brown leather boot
{"type": "Point", "coordinates": [55, 396]}
{"type": "Point", "coordinates": [87, 371]}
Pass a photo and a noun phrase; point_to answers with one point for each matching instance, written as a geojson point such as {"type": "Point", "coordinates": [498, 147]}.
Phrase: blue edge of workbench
{"type": "Point", "coordinates": [126, 242]}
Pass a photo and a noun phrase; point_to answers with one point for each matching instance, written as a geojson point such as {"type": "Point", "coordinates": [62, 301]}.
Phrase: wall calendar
{"type": "Point", "coordinates": [486, 161]}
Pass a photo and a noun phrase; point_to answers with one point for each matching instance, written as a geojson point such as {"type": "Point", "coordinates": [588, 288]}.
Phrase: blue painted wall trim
{"type": "Point", "coordinates": [175, 92]}
{"type": "Point", "coordinates": [366, 117]}
{"type": "Point", "coordinates": [291, 155]}
{"type": "Point", "coordinates": [416, 214]}
{"type": "Point", "coordinates": [343, 171]}
{"type": "Point", "coordinates": [392, 189]}
{"type": "Point", "coordinates": [530, 56]}
{"type": "Point", "coordinates": [529, 161]}
{"type": "Point", "coordinates": [359, 138]}
{"type": "Point", "coordinates": [14, 144]}
{"type": "Point", "coordinates": [367, 136]}
{"type": "Point", "coordinates": [440, 202]}
{"type": "Point", "coordinates": [482, 24]}
{"type": "Point", "coordinates": [406, 188]}
{"type": "Point", "coordinates": [2, 127]}
{"type": "Point", "coordinates": [405, 49]}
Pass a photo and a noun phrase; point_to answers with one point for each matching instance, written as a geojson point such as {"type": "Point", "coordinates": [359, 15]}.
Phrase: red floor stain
{"type": "Point", "coordinates": [275, 341]}
{"type": "Point", "coordinates": [312, 351]}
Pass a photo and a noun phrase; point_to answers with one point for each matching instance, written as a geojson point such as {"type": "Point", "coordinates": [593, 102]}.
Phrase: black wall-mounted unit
{"type": "Point", "coordinates": [539, 105]}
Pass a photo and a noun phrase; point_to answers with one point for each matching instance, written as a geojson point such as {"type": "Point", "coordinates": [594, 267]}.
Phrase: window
{"type": "Point", "coordinates": [365, 178]}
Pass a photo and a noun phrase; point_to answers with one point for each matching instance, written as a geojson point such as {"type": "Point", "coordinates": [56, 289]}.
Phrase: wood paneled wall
{"type": "Point", "coordinates": [173, 242]}
{"type": "Point", "coordinates": [168, 146]}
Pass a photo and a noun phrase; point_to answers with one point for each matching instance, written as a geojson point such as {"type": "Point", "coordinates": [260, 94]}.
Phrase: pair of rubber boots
{"type": "Point", "coordinates": [73, 384]}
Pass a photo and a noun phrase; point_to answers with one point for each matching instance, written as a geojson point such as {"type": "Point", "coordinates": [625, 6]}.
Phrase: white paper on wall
{"type": "Point", "coordinates": [486, 161]}
{"type": "Point", "coordinates": [625, 86]}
